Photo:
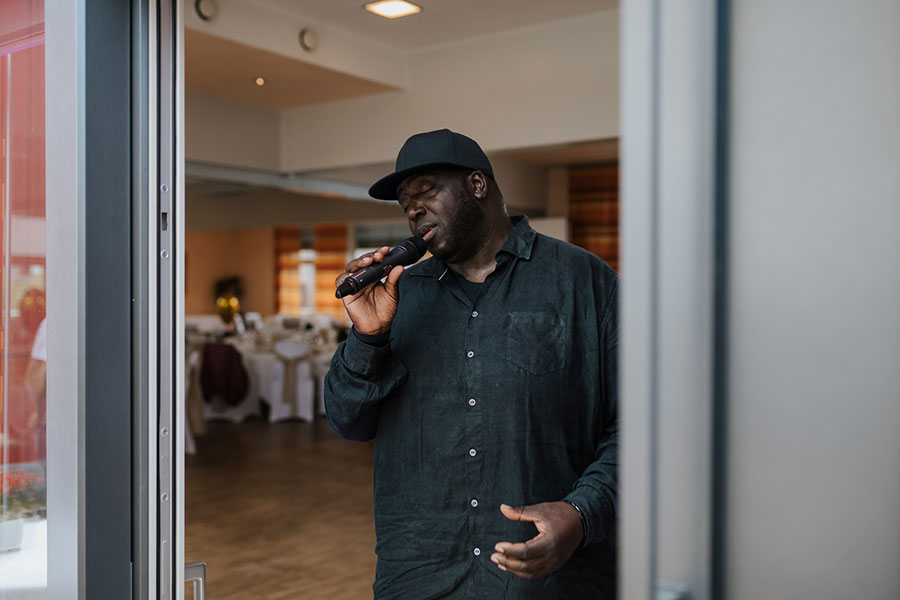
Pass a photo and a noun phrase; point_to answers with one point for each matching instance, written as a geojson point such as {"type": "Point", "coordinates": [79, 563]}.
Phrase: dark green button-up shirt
{"type": "Point", "coordinates": [508, 399]}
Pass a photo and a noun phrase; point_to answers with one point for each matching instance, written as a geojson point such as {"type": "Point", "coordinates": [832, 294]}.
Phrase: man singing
{"type": "Point", "coordinates": [487, 373]}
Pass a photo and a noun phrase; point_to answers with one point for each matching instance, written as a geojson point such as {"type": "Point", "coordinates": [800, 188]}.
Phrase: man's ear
{"type": "Point", "coordinates": [479, 184]}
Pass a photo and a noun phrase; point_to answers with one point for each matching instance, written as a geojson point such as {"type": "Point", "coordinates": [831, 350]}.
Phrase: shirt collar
{"type": "Point", "coordinates": [521, 240]}
{"type": "Point", "coordinates": [519, 244]}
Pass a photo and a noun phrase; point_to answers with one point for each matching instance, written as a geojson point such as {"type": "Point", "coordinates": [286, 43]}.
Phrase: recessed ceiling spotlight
{"type": "Point", "coordinates": [260, 81]}
{"type": "Point", "coordinates": [393, 9]}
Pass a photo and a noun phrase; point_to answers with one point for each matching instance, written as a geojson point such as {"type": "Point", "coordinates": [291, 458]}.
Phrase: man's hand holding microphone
{"type": "Point", "coordinates": [370, 303]}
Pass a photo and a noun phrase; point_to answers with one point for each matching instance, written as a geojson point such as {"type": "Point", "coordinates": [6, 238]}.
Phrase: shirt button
{"type": "Point", "coordinates": [470, 354]}
{"type": "Point", "coordinates": [472, 451]}
{"type": "Point", "coordinates": [474, 313]}
{"type": "Point", "coordinates": [477, 551]}
{"type": "Point", "coordinates": [474, 503]}
{"type": "Point", "coordinates": [472, 402]}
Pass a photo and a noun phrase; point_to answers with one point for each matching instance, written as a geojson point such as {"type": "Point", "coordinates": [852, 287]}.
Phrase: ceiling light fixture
{"type": "Point", "coordinates": [393, 9]}
{"type": "Point", "coordinates": [308, 39]}
{"type": "Point", "coordinates": [260, 81]}
{"type": "Point", "coordinates": [206, 9]}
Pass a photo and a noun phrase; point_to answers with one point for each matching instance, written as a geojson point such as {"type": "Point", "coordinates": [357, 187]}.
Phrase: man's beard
{"type": "Point", "coordinates": [466, 224]}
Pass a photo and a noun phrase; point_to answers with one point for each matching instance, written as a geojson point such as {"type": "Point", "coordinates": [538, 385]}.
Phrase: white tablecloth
{"type": "Point", "coordinates": [265, 370]}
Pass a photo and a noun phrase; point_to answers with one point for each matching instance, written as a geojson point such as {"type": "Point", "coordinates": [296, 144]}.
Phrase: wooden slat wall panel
{"type": "Point", "coordinates": [287, 276]}
{"type": "Point", "coordinates": [330, 244]}
{"type": "Point", "coordinates": [594, 210]}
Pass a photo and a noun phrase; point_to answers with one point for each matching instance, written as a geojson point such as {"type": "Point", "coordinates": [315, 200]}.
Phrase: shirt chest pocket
{"type": "Point", "coordinates": [536, 341]}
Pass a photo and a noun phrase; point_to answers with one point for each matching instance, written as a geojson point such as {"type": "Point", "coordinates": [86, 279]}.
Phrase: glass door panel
{"type": "Point", "coordinates": [23, 284]}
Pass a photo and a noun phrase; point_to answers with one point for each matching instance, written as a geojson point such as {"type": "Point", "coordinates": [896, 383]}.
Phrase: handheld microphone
{"type": "Point", "coordinates": [405, 253]}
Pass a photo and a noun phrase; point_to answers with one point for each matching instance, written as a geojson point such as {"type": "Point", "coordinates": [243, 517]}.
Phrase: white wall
{"type": "Point", "coordinates": [224, 132]}
{"type": "Point", "coordinates": [814, 399]}
{"type": "Point", "coordinates": [551, 84]}
{"type": "Point", "coordinates": [523, 186]}
{"type": "Point", "coordinates": [555, 227]}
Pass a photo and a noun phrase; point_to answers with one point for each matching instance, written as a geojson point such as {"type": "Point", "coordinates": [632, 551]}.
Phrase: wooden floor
{"type": "Point", "coordinates": [281, 511]}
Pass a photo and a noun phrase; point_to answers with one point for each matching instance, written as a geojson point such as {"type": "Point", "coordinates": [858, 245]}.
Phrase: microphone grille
{"type": "Point", "coordinates": [420, 246]}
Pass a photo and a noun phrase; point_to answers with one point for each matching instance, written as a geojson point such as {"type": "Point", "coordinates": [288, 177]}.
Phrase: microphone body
{"type": "Point", "coordinates": [405, 253]}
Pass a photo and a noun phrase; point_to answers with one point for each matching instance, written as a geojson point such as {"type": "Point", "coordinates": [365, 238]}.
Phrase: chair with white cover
{"type": "Point", "coordinates": [191, 384]}
{"type": "Point", "coordinates": [321, 363]}
{"type": "Point", "coordinates": [290, 392]}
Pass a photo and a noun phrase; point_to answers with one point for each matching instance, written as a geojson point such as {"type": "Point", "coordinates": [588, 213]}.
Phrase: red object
{"type": "Point", "coordinates": [22, 199]}
{"type": "Point", "coordinates": [222, 373]}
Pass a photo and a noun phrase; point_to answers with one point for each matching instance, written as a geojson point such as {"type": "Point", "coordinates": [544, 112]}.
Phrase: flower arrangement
{"type": "Point", "coordinates": [228, 291]}
{"type": "Point", "coordinates": [24, 493]}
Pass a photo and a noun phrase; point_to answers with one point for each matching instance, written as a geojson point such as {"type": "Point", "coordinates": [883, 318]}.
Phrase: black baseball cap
{"type": "Point", "coordinates": [423, 151]}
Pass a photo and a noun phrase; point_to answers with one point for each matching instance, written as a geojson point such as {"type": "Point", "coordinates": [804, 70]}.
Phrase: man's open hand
{"type": "Point", "coordinates": [559, 534]}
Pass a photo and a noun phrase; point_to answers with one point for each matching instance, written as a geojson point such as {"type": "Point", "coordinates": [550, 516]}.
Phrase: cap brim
{"type": "Point", "coordinates": [386, 187]}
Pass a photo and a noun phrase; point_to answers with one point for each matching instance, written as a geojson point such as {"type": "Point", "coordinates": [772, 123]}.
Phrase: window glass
{"type": "Point", "coordinates": [23, 284]}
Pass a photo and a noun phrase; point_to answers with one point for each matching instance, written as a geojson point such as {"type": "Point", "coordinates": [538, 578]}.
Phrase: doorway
{"type": "Point", "coordinates": [285, 216]}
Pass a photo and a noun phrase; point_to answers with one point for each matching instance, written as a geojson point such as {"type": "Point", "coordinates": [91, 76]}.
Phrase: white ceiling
{"type": "Point", "coordinates": [441, 21]}
{"type": "Point", "coordinates": [219, 67]}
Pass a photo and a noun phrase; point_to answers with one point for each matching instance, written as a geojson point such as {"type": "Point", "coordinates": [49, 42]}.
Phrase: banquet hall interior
{"type": "Point", "coordinates": [292, 108]}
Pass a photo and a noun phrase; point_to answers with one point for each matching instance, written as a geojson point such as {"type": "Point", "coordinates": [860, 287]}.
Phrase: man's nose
{"type": "Point", "coordinates": [414, 210]}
